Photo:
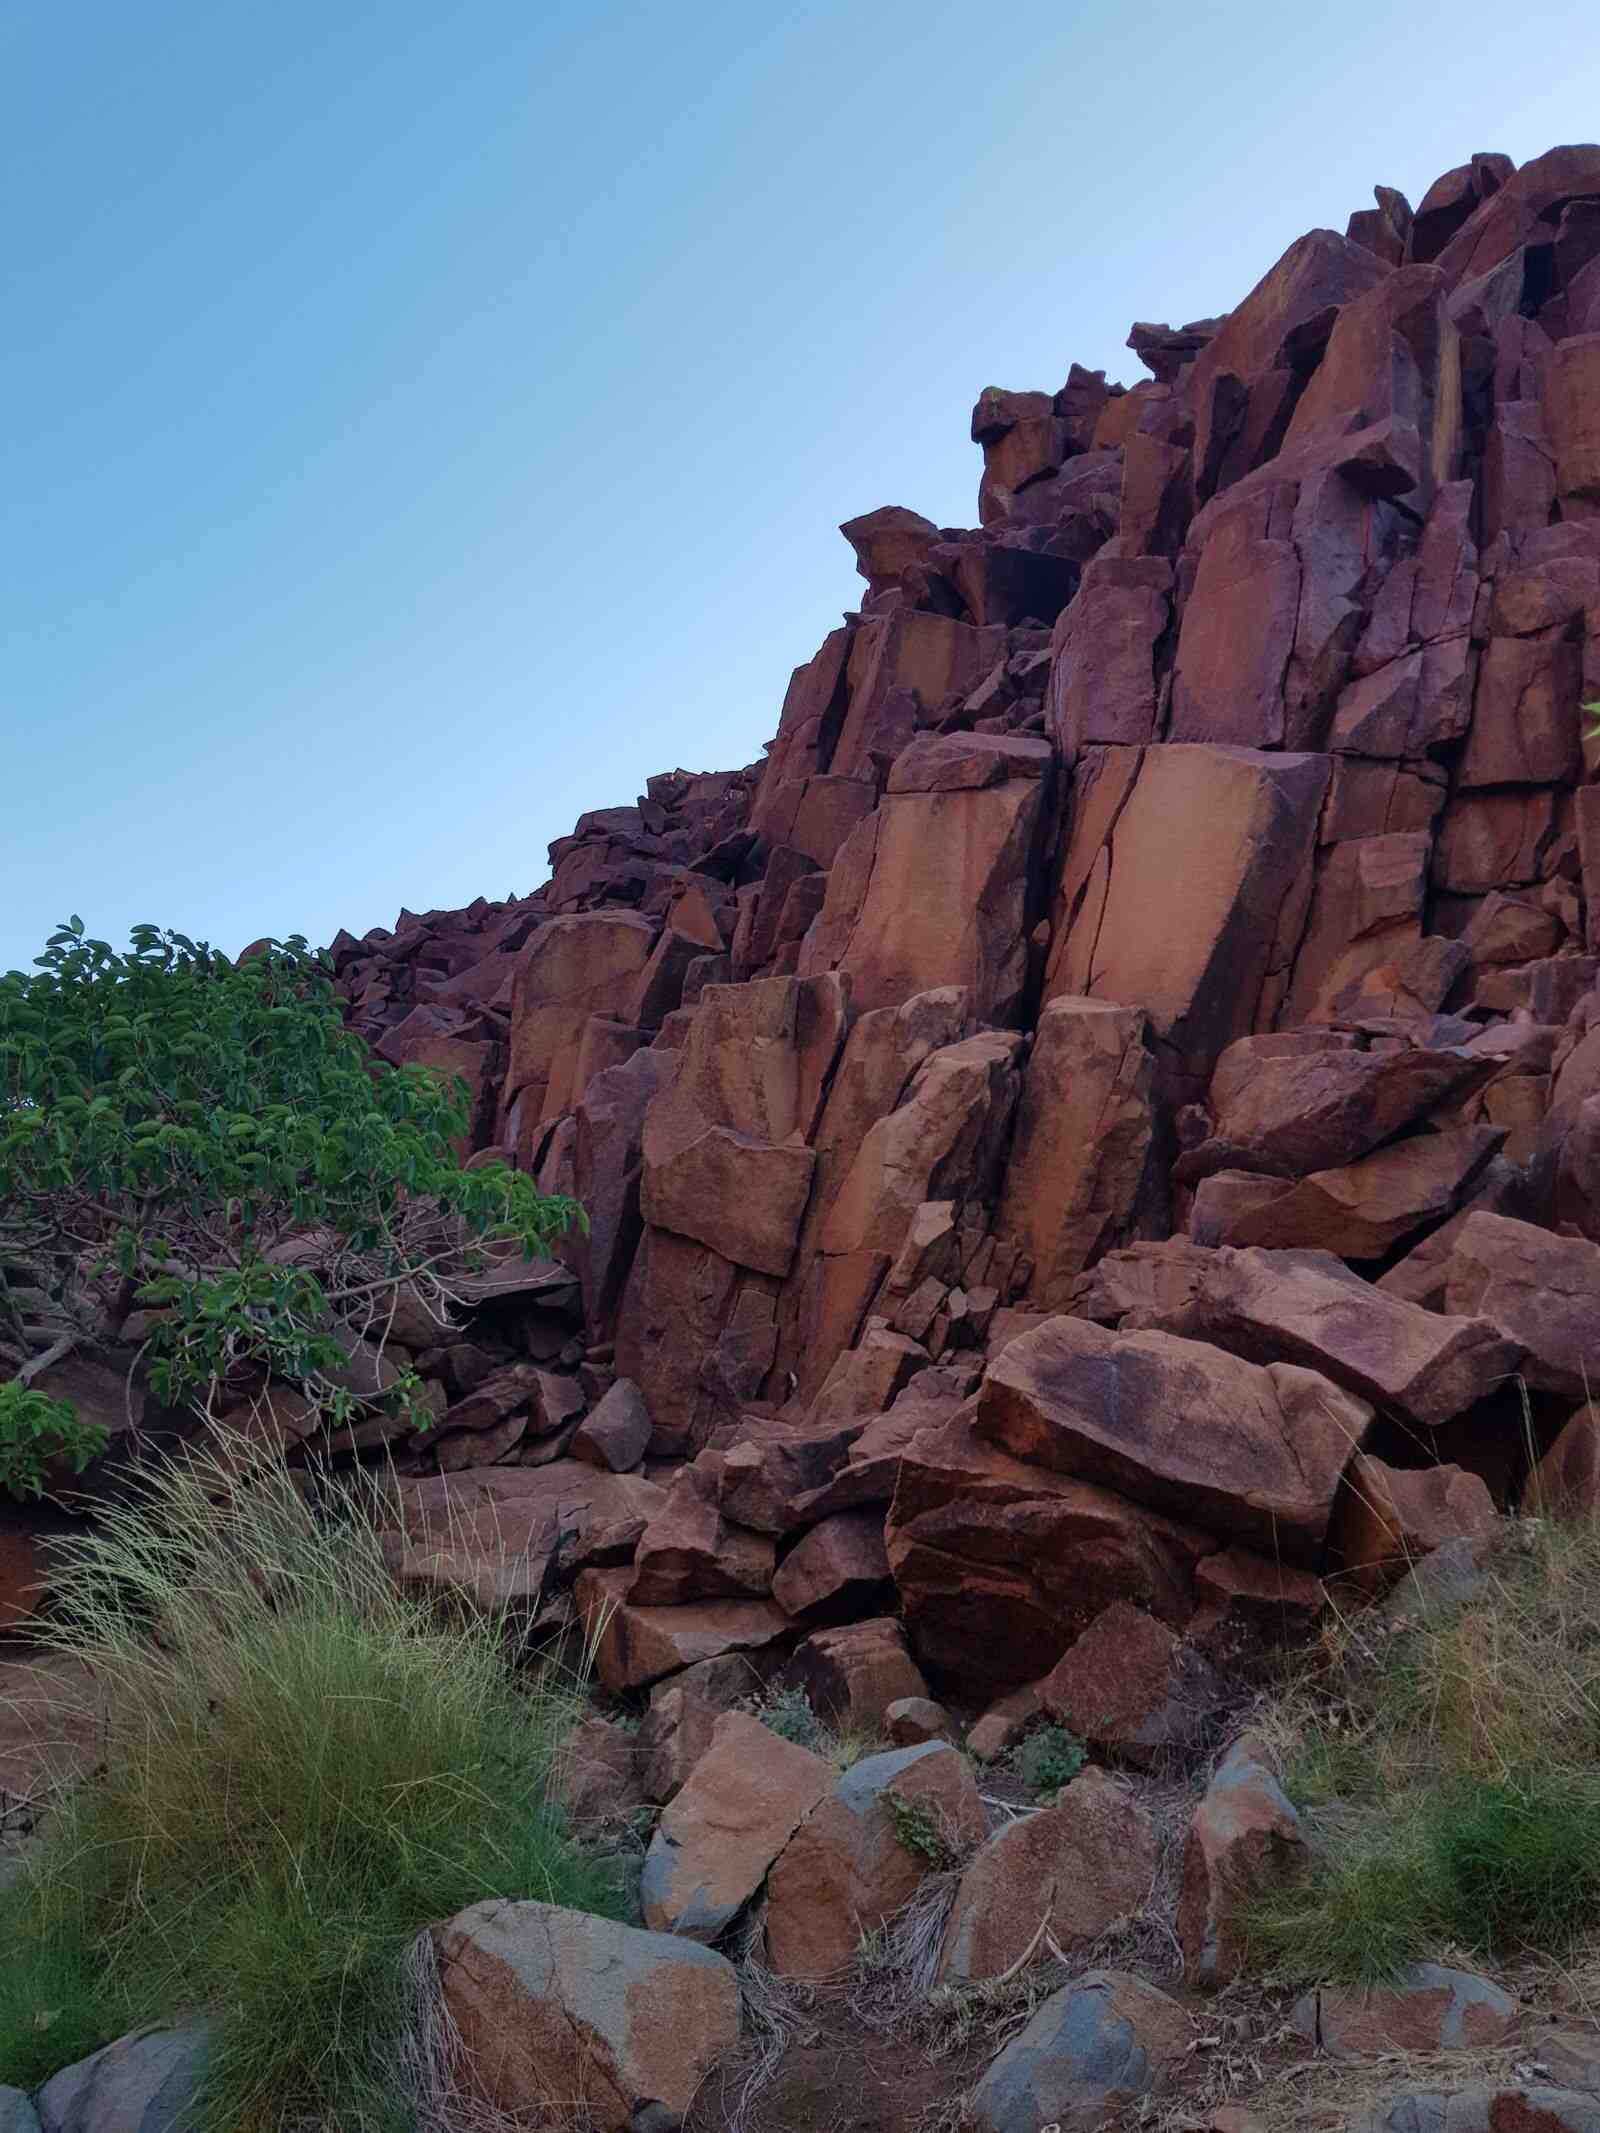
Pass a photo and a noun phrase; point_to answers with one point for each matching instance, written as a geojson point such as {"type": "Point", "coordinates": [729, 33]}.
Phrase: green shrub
{"type": "Point", "coordinates": [302, 1768]}
{"type": "Point", "coordinates": [208, 1143]}
{"type": "Point", "coordinates": [789, 1714]}
{"type": "Point", "coordinates": [36, 1431]}
{"type": "Point", "coordinates": [1049, 1759]}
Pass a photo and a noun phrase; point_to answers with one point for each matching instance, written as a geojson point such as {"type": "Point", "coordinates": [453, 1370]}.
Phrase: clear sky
{"type": "Point", "coordinates": [425, 419]}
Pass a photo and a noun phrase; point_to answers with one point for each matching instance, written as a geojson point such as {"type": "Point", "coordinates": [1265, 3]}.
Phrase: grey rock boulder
{"type": "Point", "coordinates": [1091, 2050]}
{"type": "Point", "coordinates": [146, 2082]}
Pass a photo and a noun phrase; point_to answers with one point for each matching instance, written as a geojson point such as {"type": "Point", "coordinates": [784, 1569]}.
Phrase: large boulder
{"type": "Point", "coordinates": [1427, 2009]}
{"type": "Point", "coordinates": [1000, 1563]}
{"type": "Point", "coordinates": [1095, 2047]}
{"type": "Point", "coordinates": [1362, 1210]}
{"type": "Point", "coordinates": [1390, 1517]}
{"type": "Point", "coordinates": [743, 1801]}
{"type": "Point", "coordinates": [888, 1822]}
{"type": "Point", "coordinates": [1254, 1451]}
{"type": "Point", "coordinates": [560, 2009]}
{"type": "Point", "coordinates": [726, 1160]}
{"type": "Point", "coordinates": [637, 1645]}
{"type": "Point", "coordinates": [572, 968]}
{"type": "Point", "coordinates": [1132, 1689]}
{"type": "Point", "coordinates": [1308, 1308]}
{"type": "Point", "coordinates": [494, 1535]}
{"type": "Point", "coordinates": [689, 1551]}
{"type": "Point", "coordinates": [1302, 1102]}
{"type": "Point", "coordinates": [851, 1675]}
{"type": "Point", "coordinates": [1075, 1868]}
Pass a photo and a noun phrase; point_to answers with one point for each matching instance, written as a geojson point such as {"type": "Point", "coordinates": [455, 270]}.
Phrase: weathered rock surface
{"type": "Point", "coordinates": [560, 2008]}
{"type": "Point", "coordinates": [1428, 2009]}
{"type": "Point", "coordinates": [1132, 1045]}
{"type": "Point", "coordinates": [1245, 1838]}
{"type": "Point", "coordinates": [1075, 1868]}
{"type": "Point", "coordinates": [1092, 2049]}
{"type": "Point", "coordinates": [889, 1821]}
{"type": "Point", "coordinates": [146, 2082]}
{"type": "Point", "coordinates": [744, 1800]}
{"type": "Point", "coordinates": [1180, 1425]}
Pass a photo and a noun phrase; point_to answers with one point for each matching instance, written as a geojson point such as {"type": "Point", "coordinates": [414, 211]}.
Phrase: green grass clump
{"type": "Point", "coordinates": [1448, 1774]}
{"type": "Point", "coordinates": [301, 1768]}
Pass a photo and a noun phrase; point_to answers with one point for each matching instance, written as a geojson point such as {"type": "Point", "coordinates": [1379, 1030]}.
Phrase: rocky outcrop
{"type": "Point", "coordinates": [1085, 1137]}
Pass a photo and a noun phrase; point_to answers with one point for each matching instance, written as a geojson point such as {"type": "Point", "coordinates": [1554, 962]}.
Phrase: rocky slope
{"type": "Point", "coordinates": [1125, 1054]}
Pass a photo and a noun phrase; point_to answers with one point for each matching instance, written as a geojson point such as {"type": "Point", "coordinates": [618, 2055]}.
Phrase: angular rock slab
{"type": "Point", "coordinates": [1185, 863]}
{"type": "Point", "coordinates": [557, 2008]}
{"type": "Point", "coordinates": [1081, 1176]}
{"type": "Point", "coordinates": [1308, 1308]}
{"type": "Point", "coordinates": [848, 1868]}
{"type": "Point", "coordinates": [1391, 1517]}
{"type": "Point", "coordinates": [999, 1564]}
{"type": "Point", "coordinates": [1077, 1867]}
{"type": "Point", "coordinates": [1250, 1450]}
{"type": "Point", "coordinates": [1245, 1838]}
{"type": "Point", "coordinates": [636, 1646]}
{"type": "Point", "coordinates": [1093, 2048]}
{"type": "Point", "coordinates": [1541, 1290]}
{"type": "Point", "coordinates": [742, 1803]}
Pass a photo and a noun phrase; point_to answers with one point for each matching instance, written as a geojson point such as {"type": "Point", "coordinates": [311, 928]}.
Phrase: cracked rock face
{"type": "Point", "coordinates": [558, 2008]}
{"type": "Point", "coordinates": [1130, 1049]}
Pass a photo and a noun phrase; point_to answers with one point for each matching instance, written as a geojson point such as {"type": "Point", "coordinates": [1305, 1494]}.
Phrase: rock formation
{"type": "Point", "coordinates": [1113, 1098]}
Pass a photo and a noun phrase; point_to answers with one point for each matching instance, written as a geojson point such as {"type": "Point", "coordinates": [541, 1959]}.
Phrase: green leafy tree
{"type": "Point", "coordinates": [199, 1160]}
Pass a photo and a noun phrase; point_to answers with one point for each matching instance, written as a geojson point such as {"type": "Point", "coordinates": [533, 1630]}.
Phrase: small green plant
{"type": "Point", "coordinates": [1049, 1759]}
{"type": "Point", "coordinates": [789, 1714]}
{"type": "Point", "coordinates": [1591, 711]}
{"type": "Point", "coordinates": [35, 1433]}
{"type": "Point", "coordinates": [920, 1832]}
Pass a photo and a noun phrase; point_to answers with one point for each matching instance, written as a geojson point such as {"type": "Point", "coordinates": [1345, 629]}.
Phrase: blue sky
{"type": "Point", "coordinates": [424, 419]}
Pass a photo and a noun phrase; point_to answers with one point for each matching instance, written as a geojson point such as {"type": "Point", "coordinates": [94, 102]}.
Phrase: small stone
{"type": "Point", "coordinates": [912, 1719]}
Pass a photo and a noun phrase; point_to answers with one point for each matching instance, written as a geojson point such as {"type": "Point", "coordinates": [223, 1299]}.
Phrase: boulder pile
{"type": "Point", "coordinates": [1097, 1134]}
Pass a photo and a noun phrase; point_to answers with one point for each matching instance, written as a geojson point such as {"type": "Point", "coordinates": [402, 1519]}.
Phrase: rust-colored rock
{"type": "Point", "coordinates": [689, 1551]}
{"type": "Point", "coordinates": [1389, 1518]}
{"type": "Point", "coordinates": [1541, 1290]}
{"type": "Point", "coordinates": [1244, 1840]}
{"type": "Point", "coordinates": [1253, 1451]}
{"type": "Point", "coordinates": [849, 1866]}
{"type": "Point", "coordinates": [1077, 1867]}
{"type": "Point", "coordinates": [1308, 1308]}
{"type": "Point", "coordinates": [999, 1563]}
{"type": "Point", "coordinates": [851, 1675]}
{"type": "Point", "coordinates": [1082, 1175]}
{"type": "Point", "coordinates": [836, 1571]}
{"type": "Point", "coordinates": [743, 1801]}
{"type": "Point", "coordinates": [635, 1646]}
{"type": "Point", "coordinates": [1132, 1689]}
